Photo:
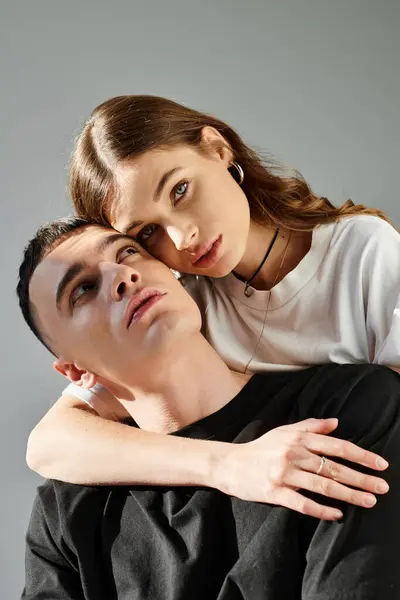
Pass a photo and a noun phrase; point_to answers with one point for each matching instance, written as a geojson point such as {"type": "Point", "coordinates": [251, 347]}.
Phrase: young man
{"type": "Point", "coordinates": [113, 315]}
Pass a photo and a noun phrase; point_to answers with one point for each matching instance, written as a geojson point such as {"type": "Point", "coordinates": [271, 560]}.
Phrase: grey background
{"type": "Point", "coordinates": [314, 82]}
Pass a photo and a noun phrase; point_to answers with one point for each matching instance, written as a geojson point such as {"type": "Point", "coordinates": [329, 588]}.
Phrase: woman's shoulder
{"type": "Point", "coordinates": [368, 244]}
{"type": "Point", "coordinates": [363, 236]}
{"type": "Point", "coordinates": [363, 227]}
{"type": "Point", "coordinates": [198, 286]}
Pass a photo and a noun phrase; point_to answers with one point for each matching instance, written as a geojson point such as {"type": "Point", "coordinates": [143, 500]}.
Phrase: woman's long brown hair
{"type": "Point", "coordinates": [127, 126]}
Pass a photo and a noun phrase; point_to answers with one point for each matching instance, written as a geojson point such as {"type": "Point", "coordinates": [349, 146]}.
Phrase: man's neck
{"type": "Point", "coordinates": [188, 382]}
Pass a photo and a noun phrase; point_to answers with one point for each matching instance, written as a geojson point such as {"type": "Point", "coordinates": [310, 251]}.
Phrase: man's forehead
{"type": "Point", "coordinates": [89, 238]}
{"type": "Point", "coordinates": [92, 241]}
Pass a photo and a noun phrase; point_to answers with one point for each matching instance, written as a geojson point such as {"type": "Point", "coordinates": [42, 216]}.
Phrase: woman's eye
{"type": "Point", "coordinates": [180, 190]}
{"type": "Point", "coordinates": [145, 234]}
{"type": "Point", "coordinates": [80, 291]}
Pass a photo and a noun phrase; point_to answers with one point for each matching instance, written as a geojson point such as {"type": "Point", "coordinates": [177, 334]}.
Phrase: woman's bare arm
{"type": "Point", "coordinates": [74, 444]}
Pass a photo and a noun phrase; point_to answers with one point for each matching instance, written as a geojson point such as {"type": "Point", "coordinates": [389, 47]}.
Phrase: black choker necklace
{"type": "Point", "coordinates": [268, 252]}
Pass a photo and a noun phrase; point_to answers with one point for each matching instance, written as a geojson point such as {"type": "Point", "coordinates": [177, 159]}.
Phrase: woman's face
{"type": "Point", "coordinates": [184, 207]}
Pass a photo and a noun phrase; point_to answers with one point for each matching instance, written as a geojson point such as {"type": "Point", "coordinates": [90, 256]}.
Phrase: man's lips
{"type": "Point", "coordinates": [140, 303]}
{"type": "Point", "coordinates": [207, 254]}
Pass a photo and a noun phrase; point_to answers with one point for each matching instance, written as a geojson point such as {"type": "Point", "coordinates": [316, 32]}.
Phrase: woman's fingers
{"type": "Point", "coordinates": [295, 501]}
{"type": "Point", "coordinates": [344, 475]}
{"type": "Point", "coordinates": [285, 460]}
{"type": "Point", "coordinates": [330, 488]}
{"type": "Point", "coordinates": [322, 426]}
{"type": "Point", "coordinates": [330, 446]}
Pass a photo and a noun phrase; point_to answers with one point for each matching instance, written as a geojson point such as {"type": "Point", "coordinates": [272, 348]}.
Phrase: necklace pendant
{"type": "Point", "coordinates": [248, 291]}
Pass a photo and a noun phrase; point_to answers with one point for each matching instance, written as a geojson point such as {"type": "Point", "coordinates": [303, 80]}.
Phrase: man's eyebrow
{"type": "Point", "coordinates": [71, 273]}
{"type": "Point", "coordinates": [113, 239]}
{"type": "Point", "coordinates": [161, 184]}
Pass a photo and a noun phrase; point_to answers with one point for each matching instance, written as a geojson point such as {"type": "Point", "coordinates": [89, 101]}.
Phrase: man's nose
{"type": "Point", "coordinates": [183, 237]}
{"type": "Point", "coordinates": [120, 280]}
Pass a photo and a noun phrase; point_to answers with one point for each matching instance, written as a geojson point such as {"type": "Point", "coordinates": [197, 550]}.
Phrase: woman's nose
{"type": "Point", "coordinates": [182, 238]}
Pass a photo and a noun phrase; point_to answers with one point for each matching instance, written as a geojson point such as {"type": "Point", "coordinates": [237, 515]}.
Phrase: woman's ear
{"type": "Point", "coordinates": [74, 373]}
{"type": "Point", "coordinates": [216, 145]}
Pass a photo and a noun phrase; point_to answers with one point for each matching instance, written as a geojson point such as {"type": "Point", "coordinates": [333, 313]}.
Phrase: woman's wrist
{"type": "Point", "coordinates": [216, 474]}
{"type": "Point", "coordinates": [203, 465]}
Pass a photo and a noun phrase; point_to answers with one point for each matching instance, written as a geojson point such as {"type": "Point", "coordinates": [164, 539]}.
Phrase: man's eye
{"type": "Point", "coordinates": [180, 190]}
{"type": "Point", "coordinates": [80, 291]}
{"type": "Point", "coordinates": [128, 251]}
{"type": "Point", "coordinates": [145, 233]}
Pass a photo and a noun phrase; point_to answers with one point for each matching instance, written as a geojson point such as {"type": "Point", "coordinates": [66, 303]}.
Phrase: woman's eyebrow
{"type": "Point", "coordinates": [132, 226]}
{"type": "Point", "coordinates": [160, 186]}
{"type": "Point", "coordinates": [163, 181]}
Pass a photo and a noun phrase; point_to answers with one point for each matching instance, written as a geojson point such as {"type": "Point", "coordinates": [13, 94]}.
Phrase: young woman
{"type": "Point", "coordinates": [286, 281]}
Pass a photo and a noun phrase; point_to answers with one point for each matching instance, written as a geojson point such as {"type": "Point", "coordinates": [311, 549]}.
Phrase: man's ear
{"type": "Point", "coordinates": [74, 373]}
{"type": "Point", "coordinates": [216, 145]}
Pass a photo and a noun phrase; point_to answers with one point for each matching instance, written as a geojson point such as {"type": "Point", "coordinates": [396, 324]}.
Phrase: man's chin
{"type": "Point", "coordinates": [166, 335]}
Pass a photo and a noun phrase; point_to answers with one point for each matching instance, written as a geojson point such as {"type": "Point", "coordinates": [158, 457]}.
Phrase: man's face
{"type": "Point", "coordinates": [108, 306]}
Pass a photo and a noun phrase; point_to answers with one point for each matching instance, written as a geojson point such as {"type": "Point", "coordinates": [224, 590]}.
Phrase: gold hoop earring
{"type": "Point", "coordinates": [239, 171]}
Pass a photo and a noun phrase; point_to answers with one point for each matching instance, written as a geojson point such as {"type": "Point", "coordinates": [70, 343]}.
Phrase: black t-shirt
{"type": "Point", "coordinates": [99, 543]}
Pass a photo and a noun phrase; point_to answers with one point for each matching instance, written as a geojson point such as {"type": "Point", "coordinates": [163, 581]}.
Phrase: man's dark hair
{"type": "Point", "coordinates": [46, 238]}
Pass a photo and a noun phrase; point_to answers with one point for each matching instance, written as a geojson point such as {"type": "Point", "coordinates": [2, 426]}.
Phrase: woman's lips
{"type": "Point", "coordinates": [211, 256]}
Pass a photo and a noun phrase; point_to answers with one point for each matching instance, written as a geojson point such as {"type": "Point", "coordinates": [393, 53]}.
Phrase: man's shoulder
{"type": "Point", "coordinates": [55, 488]}
{"type": "Point", "coordinates": [359, 393]}
{"type": "Point", "coordinates": [61, 501]}
{"type": "Point", "coordinates": [351, 374]}
{"type": "Point", "coordinates": [274, 399]}
{"type": "Point", "coordinates": [330, 379]}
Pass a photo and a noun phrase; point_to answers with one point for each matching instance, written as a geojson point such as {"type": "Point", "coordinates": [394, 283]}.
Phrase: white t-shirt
{"type": "Point", "coordinates": [340, 304]}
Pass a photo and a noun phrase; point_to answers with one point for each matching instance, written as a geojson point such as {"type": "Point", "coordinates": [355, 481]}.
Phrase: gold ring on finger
{"type": "Point", "coordinates": [321, 465]}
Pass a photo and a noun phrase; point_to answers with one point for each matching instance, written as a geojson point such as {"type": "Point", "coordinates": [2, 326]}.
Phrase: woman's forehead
{"type": "Point", "coordinates": [156, 159]}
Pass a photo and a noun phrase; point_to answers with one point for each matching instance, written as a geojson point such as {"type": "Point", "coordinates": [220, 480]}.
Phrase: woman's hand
{"type": "Point", "coordinates": [286, 459]}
